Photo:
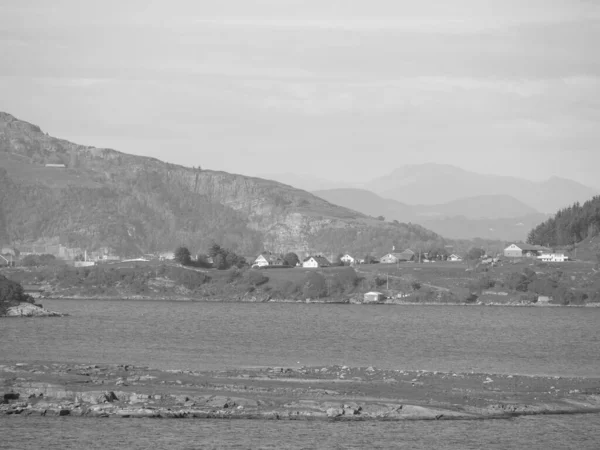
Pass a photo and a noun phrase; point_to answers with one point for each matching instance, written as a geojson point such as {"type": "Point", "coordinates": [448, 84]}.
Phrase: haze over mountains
{"type": "Point", "coordinates": [453, 202]}
{"type": "Point", "coordinates": [135, 204]}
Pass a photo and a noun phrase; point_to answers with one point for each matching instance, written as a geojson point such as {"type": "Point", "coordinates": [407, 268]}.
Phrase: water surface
{"type": "Point", "coordinates": [199, 335]}
{"type": "Point", "coordinates": [537, 432]}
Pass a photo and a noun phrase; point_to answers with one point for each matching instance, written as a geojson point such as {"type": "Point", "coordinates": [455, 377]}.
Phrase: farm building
{"type": "Point", "coordinates": [373, 297]}
{"type": "Point", "coordinates": [520, 250]}
{"type": "Point", "coordinates": [316, 261]}
{"type": "Point", "coordinates": [268, 259]}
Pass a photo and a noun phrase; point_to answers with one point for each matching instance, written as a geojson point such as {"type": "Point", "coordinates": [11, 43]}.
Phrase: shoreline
{"type": "Point", "coordinates": [316, 301]}
{"type": "Point", "coordinates": [287, 393]}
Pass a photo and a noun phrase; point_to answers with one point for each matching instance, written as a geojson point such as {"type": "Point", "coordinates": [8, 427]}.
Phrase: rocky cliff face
{"type": "Point", "coordinates": [137, 204]}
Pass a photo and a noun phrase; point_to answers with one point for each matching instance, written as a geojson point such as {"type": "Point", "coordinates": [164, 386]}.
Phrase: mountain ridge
{"type": "Point", "coordinates": [446, 183]}
{"type": "Point", "coordinates": [133, 204]}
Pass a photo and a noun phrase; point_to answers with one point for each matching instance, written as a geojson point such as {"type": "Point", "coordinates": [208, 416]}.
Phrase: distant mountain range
{"type": "Point", "coordinates": [440, 183]}
{"type": "Point", "coordinates": [478, 207]}
{"type": "Point", "coordinates": [52, 191]}
{"type": "Point", "coordinates": [499, 217]}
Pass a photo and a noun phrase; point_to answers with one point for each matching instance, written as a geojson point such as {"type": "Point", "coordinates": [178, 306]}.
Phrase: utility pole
{"type": "Point", "coordinates": [387, 281]}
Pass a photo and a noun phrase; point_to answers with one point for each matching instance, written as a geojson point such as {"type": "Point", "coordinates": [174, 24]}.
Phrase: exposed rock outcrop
{"type": "Point", "coordinates": [306, 393]}
{"type": "Point", "coordinates": [30, 310]}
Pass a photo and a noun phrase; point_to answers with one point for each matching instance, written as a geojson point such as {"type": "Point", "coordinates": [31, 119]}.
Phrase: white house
{"type": "Point", "coordinates": [348, 259]}
{"type": "Point", "coordinates": [373, 297]}
{"type": "Point", "coordinates": [553, 257]}
{"type": "Point", "coordinates": [267, 259]}
{"type": "Point", "coordinates": [315, 261]}
{"type": "Point", "coordinates": [454, 258]}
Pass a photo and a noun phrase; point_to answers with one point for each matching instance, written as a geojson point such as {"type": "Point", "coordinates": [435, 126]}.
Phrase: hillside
{"type": "Point", "coordinates": [487, 216]}
{"type": "Point", "coordinates": [439, 183]}
{"type": "Point", "coordinates": [134, 204]}
{"type": "Point", "coordinates": [577, 225]}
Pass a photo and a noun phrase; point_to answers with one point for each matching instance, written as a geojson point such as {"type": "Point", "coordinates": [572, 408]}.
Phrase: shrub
{"type": "Point", "coordinates": [314, 285]}
{"type": "Point", "coordinates": [255, 278]}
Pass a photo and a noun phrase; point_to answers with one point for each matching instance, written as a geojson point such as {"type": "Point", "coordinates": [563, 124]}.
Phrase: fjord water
{"type": "Point", "coordinates": [198, 335]}
{"type": "Point", "coordinates": [202, 335]}
{"type": "Point", "coordinates": [579, 432]}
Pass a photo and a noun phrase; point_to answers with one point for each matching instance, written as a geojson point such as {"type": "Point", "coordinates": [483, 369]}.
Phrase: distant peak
{"type": "Point", "coordinates": [448, 168]}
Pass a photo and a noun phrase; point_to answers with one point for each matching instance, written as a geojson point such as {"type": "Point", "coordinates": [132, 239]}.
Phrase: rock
{"type": "Point", "coordinates": [335, 412]}
{"type": "Point", "coordinates": [96, 397]}
{"type": "Point", "coordinates": [11, 396]}
{"type": "Point", "coordinates": [30, 310]}
{"type": "Point", "coordinates": [137, 413]}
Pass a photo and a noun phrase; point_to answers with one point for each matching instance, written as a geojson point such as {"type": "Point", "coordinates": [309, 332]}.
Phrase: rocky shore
{"type": "Point", "coordinates": [305, 393]}
{"type": "Point", "coordinates": [30, 310]}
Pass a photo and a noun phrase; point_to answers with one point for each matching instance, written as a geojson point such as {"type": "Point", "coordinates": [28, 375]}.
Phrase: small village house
{"type": "Point", "coordinates": [348, 259]}
{"type": "Point", "coordinates": [393, 258]}
{"type": "Point", "coordinates": [454, 258]}
{"type": "Point", "coordinates": [373, 297]}
{"type": "Point", "coordinates": [268, 259]}
{"type": "Point", "coordinates": [316, 261]}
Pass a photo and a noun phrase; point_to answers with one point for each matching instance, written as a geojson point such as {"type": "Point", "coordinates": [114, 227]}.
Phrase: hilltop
{"type": "Point", "coordinates": [133, 204]}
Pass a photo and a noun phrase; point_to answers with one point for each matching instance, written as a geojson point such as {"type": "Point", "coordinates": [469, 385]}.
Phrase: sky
{"type": "Point", "coordinates": [334, 89]}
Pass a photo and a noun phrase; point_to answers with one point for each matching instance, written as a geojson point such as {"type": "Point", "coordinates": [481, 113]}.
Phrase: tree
{"type": "Point", "coordinates": [380, 218]}
{"type": "Point", "coordinates": [369, 259]}
{"type": "Point", "coordinates": [214, 250]}
{"type": "Point", "coordinates": [183, 256]}
{"type": "Point", "coordinates": [338, 260]}
{"type": "Point", "coordinates": [291, 259]}
{"type": "Point", "coordinates": [438, 253]}
{"type": "Point", "coordinates": [314, 285]}
{"type": "Point", "coordinates": [220, 262]}
{"type": "Point", "coordinates": [475, 253]}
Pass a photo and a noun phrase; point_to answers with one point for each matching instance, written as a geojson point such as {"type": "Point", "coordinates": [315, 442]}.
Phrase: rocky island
{"type": "Point", "coordinates": [280, 393]}
{"type": "Point", "coordinates": [14, 302]}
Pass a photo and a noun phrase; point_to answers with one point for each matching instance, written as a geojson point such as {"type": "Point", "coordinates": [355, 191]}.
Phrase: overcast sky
{"type": "Point", "coordinates": [338, 89]}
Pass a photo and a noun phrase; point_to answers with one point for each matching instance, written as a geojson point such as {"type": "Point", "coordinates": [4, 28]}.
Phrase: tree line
{"type": "Point", "coordinates": [569, 226]}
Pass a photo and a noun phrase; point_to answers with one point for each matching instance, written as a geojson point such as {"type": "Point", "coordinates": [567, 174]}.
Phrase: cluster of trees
{"type": "Point", "coordinates": [38, 260]}
{"type": "Point", "coordinates": [222, 258]}
{"type": "Point", "coordinates": [569, 226]}
{"type": "Point", "coordinates": [11, 294]}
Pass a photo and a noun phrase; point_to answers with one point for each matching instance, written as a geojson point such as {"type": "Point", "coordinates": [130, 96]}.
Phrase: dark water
{"type": "Point", "coordinates": [181, 335]}
{"type": "Point", "coordinates": [580, 432]}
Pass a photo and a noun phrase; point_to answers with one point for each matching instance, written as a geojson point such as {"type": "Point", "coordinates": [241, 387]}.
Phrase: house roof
{"type": "Point", "coordinates": [529, 247]}
{"type": "Point", "coordinates": [321, 260]}
{"type": "Point", "coordinates": [270, 257]}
